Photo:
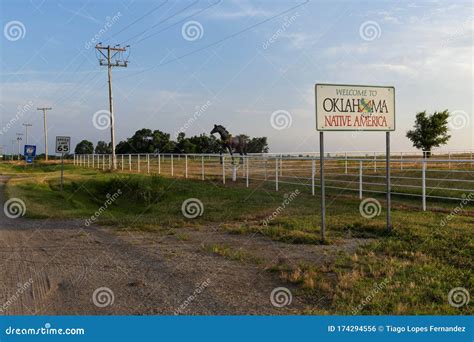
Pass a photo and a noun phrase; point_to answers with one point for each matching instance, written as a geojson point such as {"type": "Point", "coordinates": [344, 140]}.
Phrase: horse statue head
{"type": "Point", "coordinates": [221, 130]}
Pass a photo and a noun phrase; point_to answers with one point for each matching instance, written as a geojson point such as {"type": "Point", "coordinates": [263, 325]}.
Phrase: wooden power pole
{"type": "Point", "coordinates": [114, 53]}
{"type": "Point", "coordinates": [44, 109]}
{"type": "Point", "coordinates": [26, 131]}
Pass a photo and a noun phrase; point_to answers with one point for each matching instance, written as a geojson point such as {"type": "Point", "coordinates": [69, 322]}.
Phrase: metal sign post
{"type": "Point", "coordinates": [343, 107]}
{"type": "Point", "coordinates": [62, 170]}
{"type": "Point", "coordinates": [323, 195]}
{"type": "Point", "coordinates": [389, 199]}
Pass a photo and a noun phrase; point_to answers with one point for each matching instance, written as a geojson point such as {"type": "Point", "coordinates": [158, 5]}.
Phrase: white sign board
{"type": "Point", "coordinates": [63, 144]}
{"type": "Point", "coordinates": [341, 107]}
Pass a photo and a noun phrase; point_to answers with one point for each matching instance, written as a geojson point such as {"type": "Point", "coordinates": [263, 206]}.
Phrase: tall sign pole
{"type": "Point", "coordinates": [44, 109]}
{"type": "Point", "coordinates": [343, 107]}
{"type": "Point", "coordinates": [389, 185]}
{"type": "Point", "coordinates": [323, 194]}
{"type": "Point", "coordinates": [112, 53]}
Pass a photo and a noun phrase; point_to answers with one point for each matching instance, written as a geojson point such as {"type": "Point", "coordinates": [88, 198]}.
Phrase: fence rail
{"type": "Point", "coordinates": [441, 177]}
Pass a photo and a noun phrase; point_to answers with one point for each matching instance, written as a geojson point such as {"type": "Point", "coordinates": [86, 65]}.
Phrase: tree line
{"type": "Point", "coordinates": [147, 141]}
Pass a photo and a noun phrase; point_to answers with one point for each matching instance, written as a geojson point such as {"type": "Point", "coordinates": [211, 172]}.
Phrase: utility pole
{"type": "Point", "coordinates": [13, 147]}
{"type": "Point", "coordinates": [18, 139]}
{"type": "Point", "coordinates": [44, 109]}
{"type": "Point", "coordinates": [114, 53]}
{"type": "Point", "coordinates": [26, 131]}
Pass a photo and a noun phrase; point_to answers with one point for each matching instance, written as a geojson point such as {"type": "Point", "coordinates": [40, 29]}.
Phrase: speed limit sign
{"type": "Point", "coordinates": [63, 144]}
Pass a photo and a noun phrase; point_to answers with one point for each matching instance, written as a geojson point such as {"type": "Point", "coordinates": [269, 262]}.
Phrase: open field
{"type": "Point", "coordinates": [128, 232]}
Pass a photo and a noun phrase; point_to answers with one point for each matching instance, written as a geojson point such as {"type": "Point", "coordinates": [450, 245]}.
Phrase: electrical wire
{"type": "Point", "coordinates": [218, 41]}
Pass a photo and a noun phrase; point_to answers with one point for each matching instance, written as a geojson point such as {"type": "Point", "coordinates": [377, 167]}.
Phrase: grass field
{"type": "Point", "coordinates": [407, 271]}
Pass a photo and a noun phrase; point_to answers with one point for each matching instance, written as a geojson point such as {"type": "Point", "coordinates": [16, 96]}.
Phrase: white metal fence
{"type": "Point", "coordinates": [447, 176]}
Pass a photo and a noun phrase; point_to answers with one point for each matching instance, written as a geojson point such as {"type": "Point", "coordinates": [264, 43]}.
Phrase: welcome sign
{"type": "Point", "coordinates": [341, 107]}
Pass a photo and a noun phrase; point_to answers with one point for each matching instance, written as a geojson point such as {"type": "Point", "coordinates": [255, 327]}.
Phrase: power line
{"type": "Point", "coordinates": [161, 21]}
{"type": "Point", "coordinates": [218, 41]}
{"type": "Point", "coordinates": [137, 20]}
{"type": "Point", "coordinates": [178, 22]}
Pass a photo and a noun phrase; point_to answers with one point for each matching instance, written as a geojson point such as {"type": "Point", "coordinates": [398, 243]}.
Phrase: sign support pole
{"type": "Point", "coordinates": [62, 170]}
{"type": "Point", "coordinates": [389, 200]}
{"type": "Point", "coordinates": [321, 174]}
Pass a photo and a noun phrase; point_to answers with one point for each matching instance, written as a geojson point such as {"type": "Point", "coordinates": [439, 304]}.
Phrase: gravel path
{"type": "Point", "coordinates": [54, 267]}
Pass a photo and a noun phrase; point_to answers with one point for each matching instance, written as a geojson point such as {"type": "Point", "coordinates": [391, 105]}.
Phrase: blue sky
{"type": "Point", "coordinates": [422, 48]}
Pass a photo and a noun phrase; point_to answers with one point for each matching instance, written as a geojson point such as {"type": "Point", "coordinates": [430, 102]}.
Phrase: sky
{"type": "Point", "coordinates": [248, 65]}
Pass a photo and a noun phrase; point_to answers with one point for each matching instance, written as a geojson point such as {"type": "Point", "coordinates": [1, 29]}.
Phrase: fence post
{"type": "Point", "coordinates": [345, 163]}
{"type": "Point", "coordinates": [423, 183]}
{"type": "Point", "coordinates": [138, 163]}
{"type": "Point", "coordinates": [281, 166]}
{"type": "Point", "coordinates": [202, 167]}
{"type": "Point", "coordinates": [122, 162]}
{"type": "Point", "coordinates": [276, 173]}
{"type": "Point", "coordinates": [88, 157]}
{"type": "Point", "coordinates": [313, 173]}
{"type": "Point", "coordinates": [130, 162]}
{"type": "Point", "coordinates": [449, 157]}
{"type": "Point", "coordinates": [103, 162]}
{"type": "Point", "coordinates": [247, 172]}
{"type": "Point", "coordinates": [360, 179]}
{"type": "Point", "coordinates": [110, 162]}
{"type": "Point", "coordinates": [172, 166]}
{"type": "Point", "coordinates": [223, 170]}
{"type": "Point", "coordinates": [159, 164]}
{"type": "Point", "coordinates": [186, 166]}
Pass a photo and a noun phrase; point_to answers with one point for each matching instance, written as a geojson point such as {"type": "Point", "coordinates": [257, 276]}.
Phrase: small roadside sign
{"type": "Point", "coordinates": [63, 144]}
{"type": "Point", "coordinates": [30, 153]}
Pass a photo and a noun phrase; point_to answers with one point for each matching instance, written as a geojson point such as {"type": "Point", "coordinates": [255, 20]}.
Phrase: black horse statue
{"type": "Point", "coordinates": [237, 143]}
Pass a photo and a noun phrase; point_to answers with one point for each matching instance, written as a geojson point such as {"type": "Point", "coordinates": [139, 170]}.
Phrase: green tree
{"type": "Point", "coordinates": [257, 145]}
{"type": "Point", "coordinates": [429, 131]}
{"type": "Point", "coordinates": [84, 147]}
{"type": "Point", "coordinates": [103, 148]}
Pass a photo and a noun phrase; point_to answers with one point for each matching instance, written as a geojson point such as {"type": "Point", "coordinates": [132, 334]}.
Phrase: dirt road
{"type": "Point", "coordinates": [52, 267]}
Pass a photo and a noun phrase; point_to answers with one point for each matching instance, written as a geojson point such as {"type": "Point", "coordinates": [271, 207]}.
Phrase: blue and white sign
{"type": "Point", "coordinates": [30, 153]}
